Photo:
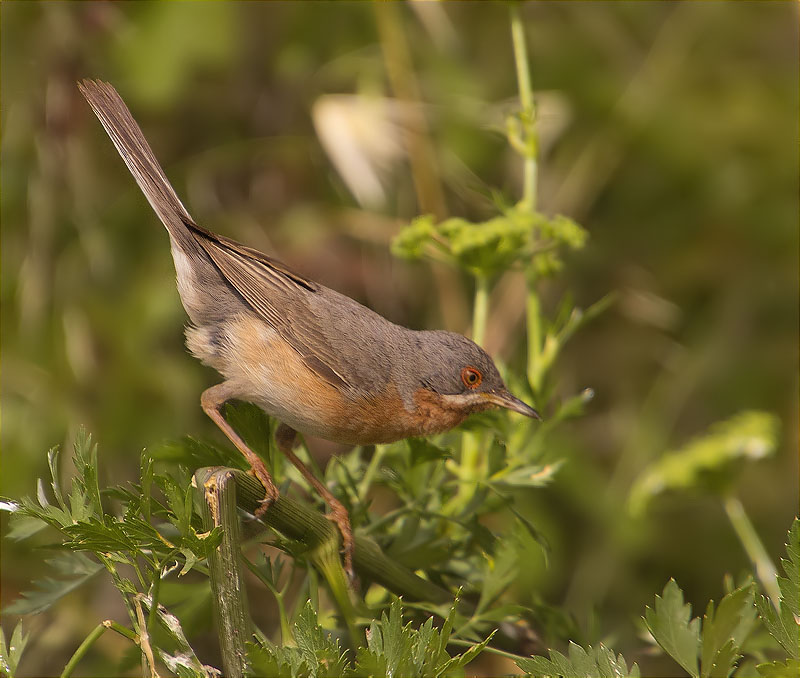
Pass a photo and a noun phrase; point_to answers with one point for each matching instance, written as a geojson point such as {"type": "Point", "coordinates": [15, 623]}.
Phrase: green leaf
{"type": "Point", "coordinates": [499, 571]}
{"type": "Point", "coordinates": [11, 654]}
{"type": "Point", "coordinates": [724, 661]}
{"type": "Point", "coordinates": [321, 654]}
{"type": "Point", "coordinates": [725, 629]}
{"type": "Point", "coordinates": [460, 661]}
{"type": "Point", "coordinates": [267, 661]}
{"type": "Point", "coordinates": [423, 451]}
{"type": "Point", "coordinates": [74, 570]}
{"type": "Point", "coordinates": [410, 243]}
{"type": "Point", "coordinates": [535, 475]}
{"type": "Point", "coordinates": [748, 435]}
{"type": "Point", "coordinates": [671, 625]}
{"type": "Point", "coordinates": [790, 584]}
{"type": "Point", "coordinates": [85, 459]}
{"type": "Point", "coordinates": [788, 669]}
{"type": "Point", "coordinates": [782, 625]}
{"type": "Point", "coordinates": [592, 663]}
{"type": "Point", "coordinates": [21, 526]}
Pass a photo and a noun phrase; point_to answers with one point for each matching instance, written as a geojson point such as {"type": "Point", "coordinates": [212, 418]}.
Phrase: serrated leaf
{"type": "Point", "coordinates": [396, 642]}
{"type": "Point", "coordinates": [790, 584]}
{"type": "Point", "coordinates": [671, 625]}
{"type": "Point", "coordinates": [461, 660]}
{"type": "Point", "coordinates": [611, 666]}
{"type": "Point", "coordinates": [724, 630]}
{"type": "Point", "coordinates": [788, 669]}
{"type": "Point", "coordinates": [320, 652]}
{"type": "Point", "coordinates": [21, 526]}
{"type": "Point", "coordinates": [84, 455]}
{"type": "Point", "coordinates": [782, 625]}
{"type": "Point", "coordinates": [11, 653]}
{"type": "Point", "coordinates": [263, 661]}
{"type": "Point", "coordinates": [74, 570]}
{"type": "Point", "coordinates": [590, 663]}
{"type": "Point", "coordinates": [724, 661]}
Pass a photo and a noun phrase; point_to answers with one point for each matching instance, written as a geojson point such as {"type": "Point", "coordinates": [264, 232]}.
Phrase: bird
{"type": "Point", "coordinates": [317, 361]}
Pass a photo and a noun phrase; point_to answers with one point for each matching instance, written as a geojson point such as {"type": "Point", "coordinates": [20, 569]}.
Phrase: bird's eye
{"type": "Point", "coordinates": [471, 377]}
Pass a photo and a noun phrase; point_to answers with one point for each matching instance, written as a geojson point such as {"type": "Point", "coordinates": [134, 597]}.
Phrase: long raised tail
{"type": "Point", "coordinates": [138, 156]}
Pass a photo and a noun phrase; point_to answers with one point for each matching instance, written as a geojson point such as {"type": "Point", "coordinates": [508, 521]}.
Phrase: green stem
{"type": "Point", "coordinates": [286, 630]}
{"type": "Point", "coordinates": [301, 523]}
{"type": "Point", "coordinates": [480, 310]}
{"type": "Point", "coordinates": [98, 631]}
{"type": "Point", "coordinates": [534, 321]}
{"type": "Point", "coordinates": [765, 569]}
{"type": "Point", "coordinates": [472, 457]}
{"type": "Point", "coordinates": [528, 113]}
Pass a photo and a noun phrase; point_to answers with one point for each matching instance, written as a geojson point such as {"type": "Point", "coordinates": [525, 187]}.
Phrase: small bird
{"type": "Point", "coordinates": [316, 360]}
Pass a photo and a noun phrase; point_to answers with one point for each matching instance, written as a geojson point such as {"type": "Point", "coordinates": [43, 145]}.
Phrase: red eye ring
{"type": "Point", "coordinates": [471, 377]}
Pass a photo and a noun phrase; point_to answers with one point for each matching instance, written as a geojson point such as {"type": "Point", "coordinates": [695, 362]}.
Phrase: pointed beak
{"type": "Point", "coordinates": [510, 402]}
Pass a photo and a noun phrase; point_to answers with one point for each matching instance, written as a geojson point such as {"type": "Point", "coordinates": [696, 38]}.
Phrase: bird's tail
{"type": "Point", "coordinates": [138, 156]}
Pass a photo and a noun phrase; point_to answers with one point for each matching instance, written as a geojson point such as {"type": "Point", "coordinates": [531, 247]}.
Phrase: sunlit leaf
{"type": "Point", "coordinates": [673, 629]}
{"type": "Point", "coordinates": [749, 435]}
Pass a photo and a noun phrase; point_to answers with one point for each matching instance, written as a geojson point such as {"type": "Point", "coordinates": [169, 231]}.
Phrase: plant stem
{"type": "Point", "coordinates": [533, 315]}
{"type": "Point", "coordinates": [480, 311]}
{"type": "Point", "coordinates": [765, 569]}
{"type": "Point", "coordinates": [301, 523]}
{"type": "Point", "coordinates": [471, 454]}
{"type": "Point", "coordinates": [528, 113]}
{"type": "Point", "coordinates": [227, 583]}
{"type": "Point", "coordinates": [98, 631]}
{"type": "Point", "coordinates": [528, 120]}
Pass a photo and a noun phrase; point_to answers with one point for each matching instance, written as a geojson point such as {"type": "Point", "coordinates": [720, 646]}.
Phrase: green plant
{"type": "Point", "coordinates": [443, 492]}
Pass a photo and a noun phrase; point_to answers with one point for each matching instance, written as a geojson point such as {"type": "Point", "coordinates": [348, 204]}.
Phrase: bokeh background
{"type": "Point", "coordinates": [669, 131]}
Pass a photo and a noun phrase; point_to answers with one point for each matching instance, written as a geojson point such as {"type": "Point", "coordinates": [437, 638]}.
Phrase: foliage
{"type": "Point", "coordinates": [704, 324]}
{"type": "Point", "coordinates": [392, 649]}
{"type": "Point", "coordinates": [588, 663]}
{"type": "Point", "coordinates": [709, 460]}
{"type": "Point", "coordinates": [493, 246]}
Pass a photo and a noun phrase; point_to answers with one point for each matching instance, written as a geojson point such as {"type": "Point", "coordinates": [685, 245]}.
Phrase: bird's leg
{"type": "Point", "coordinates": [285, 437]}
{"type": "Point", "coordinates": [212, 401]}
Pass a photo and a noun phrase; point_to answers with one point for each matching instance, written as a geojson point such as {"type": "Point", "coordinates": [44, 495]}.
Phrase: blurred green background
{"type": "Point", "coordinates": [669, 131]}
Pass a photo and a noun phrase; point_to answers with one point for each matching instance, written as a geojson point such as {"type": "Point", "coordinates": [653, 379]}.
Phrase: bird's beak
{"type": "Point", "coordinates": [511, 402]}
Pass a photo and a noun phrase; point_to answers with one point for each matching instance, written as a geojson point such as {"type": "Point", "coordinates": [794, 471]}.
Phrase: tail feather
{"type": "Point", "coordinates": [131, 144]}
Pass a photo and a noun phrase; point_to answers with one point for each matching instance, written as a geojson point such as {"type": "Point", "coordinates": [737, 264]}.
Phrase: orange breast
{"type": "Point", "coordinates": [264, 369]}
{"type": "Point", "coordinates": [384, 419]}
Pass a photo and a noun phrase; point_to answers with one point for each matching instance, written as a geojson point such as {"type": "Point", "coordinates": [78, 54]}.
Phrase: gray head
{"type": "Point", "coordinates": [462, 372]}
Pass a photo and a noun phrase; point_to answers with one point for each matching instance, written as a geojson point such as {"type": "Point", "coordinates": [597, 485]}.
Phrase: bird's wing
{"type": "Point", "coordinates": [276, 294]}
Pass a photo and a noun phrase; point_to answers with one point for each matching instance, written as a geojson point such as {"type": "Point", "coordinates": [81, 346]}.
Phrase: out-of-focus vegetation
{"type": "Point", "coordinates": [667, 130]}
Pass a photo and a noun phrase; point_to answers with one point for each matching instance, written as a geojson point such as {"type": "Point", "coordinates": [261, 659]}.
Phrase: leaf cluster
{"type": "Point", "coordinates": [711, 461]}
{"type": "Point", "coordinates": [518, 236]}
{"type": "Point", "coordinates": [393, 649]}
{"type": "Point", "coordinates": [713, 646]}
